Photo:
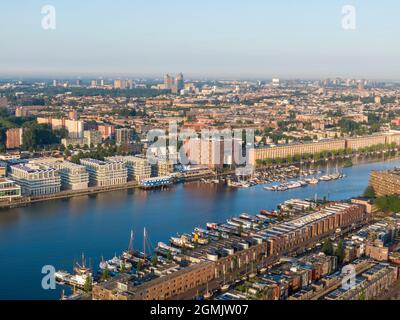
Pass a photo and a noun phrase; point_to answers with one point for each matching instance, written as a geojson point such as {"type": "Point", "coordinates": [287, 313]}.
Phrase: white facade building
{"type": "Point", "coordinates": [105, 173]}
{"type": "Point", "coordinates": [36, 179]}
{"type": "Point", "coordinates": [138, 168]}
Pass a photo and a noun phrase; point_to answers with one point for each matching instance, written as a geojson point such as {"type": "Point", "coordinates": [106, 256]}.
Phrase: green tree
{"type": "Point", "coordinates": [340, 253]}
{"type": "Point", "coordinates": [370, 192]}
{"type": "Point", "coordinates": [105, 275]}
{"type": "Point", "coordinates": [154, 261]}
{"type": "Point", "coordinates": [87, 287]}
{"type": "Point", "coordinates": [328, 247]}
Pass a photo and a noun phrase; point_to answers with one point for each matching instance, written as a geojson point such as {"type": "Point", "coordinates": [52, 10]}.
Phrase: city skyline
{"type": "Point", "coordinates": [264, 40]}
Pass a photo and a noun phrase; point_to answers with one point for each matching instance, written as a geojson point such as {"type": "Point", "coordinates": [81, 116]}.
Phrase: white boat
{"type": "Point", "coordinates": [314, 181]}
{"type": "Point", "coordinates": [225, 287]}
{"type": "Point", "coordinates": [212, 226]}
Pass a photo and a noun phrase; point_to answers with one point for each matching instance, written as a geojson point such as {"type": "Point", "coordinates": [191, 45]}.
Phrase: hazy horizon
{"type": "Point", "coordinates": [225, 39]}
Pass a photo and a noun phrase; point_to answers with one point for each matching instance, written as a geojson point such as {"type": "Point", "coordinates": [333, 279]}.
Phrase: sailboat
{"type": "Point", "coordinates": [208, 294]}
{"type": "Point", "coordinates": [129, 254]}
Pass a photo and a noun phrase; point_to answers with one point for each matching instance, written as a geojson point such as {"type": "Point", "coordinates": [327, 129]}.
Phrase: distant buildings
{"type": "Point", "coordinates": [3, 102]}
{"type": "Point", "coordinates": [175, 85]}
{"type": "Point", "coordinates": [14, 138]}
{"type": "Point", "coordinates": [385, 182]}
{"type": "Point", "coordinates": [105, 173]}
{"type": "Point", "coordinates": [352, 144]}
{"type": "Point", "coordinates": [123, 136]}
{"type": "Point", "coordinates": [107, 131]}
{"type": "Point", "coordinates": [119, 84]}
{"type": "Point", "coordinates": [74, 127]}
{"type": "Point", "coordinates": [36, 179]}
{"type": "Point", "coordinates": [92, 138]}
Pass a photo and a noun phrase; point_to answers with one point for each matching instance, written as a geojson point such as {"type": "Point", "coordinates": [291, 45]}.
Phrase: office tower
{"type": "Point", "coordinates": [119, 84]}
{"type": "Point", "coordinates": [55, 83]}
{"type": "Point", "coordinates": [93, 83]}
{"type": "Point", "coordinates": [180, 83]}
{"type": "Point", "coordinates": [79, 82]}
{"type": "Point", "coordinates": [168, 82]}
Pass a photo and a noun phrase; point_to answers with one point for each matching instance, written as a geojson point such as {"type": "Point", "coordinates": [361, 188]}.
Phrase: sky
{"type": "Point", "coordinates": [202, 38]}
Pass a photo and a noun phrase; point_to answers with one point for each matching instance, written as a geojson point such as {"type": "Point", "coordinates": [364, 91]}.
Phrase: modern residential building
{"type": "Point", "coordinates": [105, 173]}
{"type": "Point", "coordinates": [36, 179]}
{"type": "Point", "coordinates": [73, 176]}
{"type": "Point", "coordinates": [385, 182]}
{"type": "Point", "coordinates": [9, 190]}
{"type": "Point", "coordinates": [138, 168]}
{"type": "Point", "coordinates": [164, 168]}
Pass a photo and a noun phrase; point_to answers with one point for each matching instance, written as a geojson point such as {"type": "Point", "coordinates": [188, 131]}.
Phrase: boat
{"type": "Point", "coordinates": [245, 216]}
{"type": "Point", "coordinates": [62, 277]}
{"type": "Point", "coordinates": [314, 181]}
{"type": "Point", "coordinates": [225, 287]}
{"type": "Point", "coordinates": [325, 178]}
{"type": "Point", "coordinates": [212, 226]}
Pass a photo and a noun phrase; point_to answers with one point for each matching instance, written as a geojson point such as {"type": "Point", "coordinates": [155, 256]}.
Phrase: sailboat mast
{"type": "Point", "coordinates": [144, 242]}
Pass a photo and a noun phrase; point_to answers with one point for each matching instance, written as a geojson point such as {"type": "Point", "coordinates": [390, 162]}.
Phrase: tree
{"type": "Point", "coordinates": [370, 192]}
{"type": "Point", "coordinates": [328, 247]}
{"type": "Point", "coordinates": [139, 266]}
{"type": "Point", "coordinates": [87, 287]}
{"type": "Point", "coordinates": [389, 203]}
{"type": "Point", "coordinates": [340, 251]}
{"type": "Point", "coordinates": [105, 275]}
{"type": "Point", "coordinates": [154, 261]}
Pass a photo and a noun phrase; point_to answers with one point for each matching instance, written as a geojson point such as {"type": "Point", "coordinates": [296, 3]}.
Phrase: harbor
{"type": "Point", "coordinates": [99, 225]}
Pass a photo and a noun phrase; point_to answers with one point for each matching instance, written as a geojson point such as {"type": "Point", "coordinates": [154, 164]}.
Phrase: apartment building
{"type": "Point", "coordinates": [138, 168]}
{"type": "Point", "coordinates": [92, 137]}
{"type": "Point", "coordinates": [36, 179]}
{"type": "Point", "coordinates": [73, 176]}
{"type": "Point", "coordinates": [123, 136]}
{"type": "Point", "coordinates": [9, 190]}
{"type": "Point", "coordinates": [385, 182]}
{"type": "Point", "coordinates": [14, 138]}
{"type": "Point", "coordinates": [105, 173]}
{"type": "Point", "coordinates": [353, 144]}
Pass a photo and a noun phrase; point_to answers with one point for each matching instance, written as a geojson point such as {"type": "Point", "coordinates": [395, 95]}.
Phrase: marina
{"type": "Point", "coordinates": [99, 225]}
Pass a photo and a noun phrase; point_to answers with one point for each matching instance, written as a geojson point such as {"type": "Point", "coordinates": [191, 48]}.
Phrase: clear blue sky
{"type": "Point", "coordinates": [215, 38]}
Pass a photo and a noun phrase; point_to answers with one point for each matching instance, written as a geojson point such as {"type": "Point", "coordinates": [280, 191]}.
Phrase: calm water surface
{"type": "Point", "coordinates": [56, 233]}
